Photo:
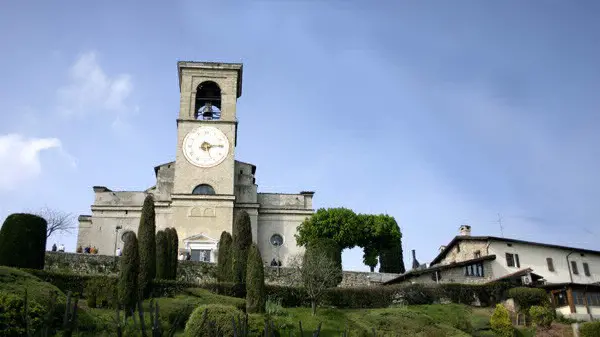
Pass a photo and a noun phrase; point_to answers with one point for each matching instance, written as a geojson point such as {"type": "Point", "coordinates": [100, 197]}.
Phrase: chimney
{"type": "Point", "coordinates": [442, 247]}
{"type": "Point", "coordinates": [465, 230]}
{"type": "Point", "coordinates": [415, 264]}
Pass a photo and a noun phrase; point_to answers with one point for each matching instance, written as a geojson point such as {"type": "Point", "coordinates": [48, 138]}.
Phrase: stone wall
{"type": "Point", "coordinates": [193, 271]}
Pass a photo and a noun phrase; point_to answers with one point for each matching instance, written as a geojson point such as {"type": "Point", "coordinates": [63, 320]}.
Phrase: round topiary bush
{"type": "Point", "coordinates": [541, 316]}
{"type": "Point", "coordinates": [501, 323]}
{"type": "Point", "coordinates": [23, 241]}
{"type": "Point", "coordinates": [216, 322]}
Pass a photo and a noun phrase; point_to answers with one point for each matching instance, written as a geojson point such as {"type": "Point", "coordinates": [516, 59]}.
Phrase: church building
{"type": "Point", "coordinates": [201, 190]}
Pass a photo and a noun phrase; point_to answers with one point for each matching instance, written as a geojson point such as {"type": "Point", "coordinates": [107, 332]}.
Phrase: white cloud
{"type": "Point", "coordinates": [91, 89]}
{"type": "Point", "coordinates": [20, 158]}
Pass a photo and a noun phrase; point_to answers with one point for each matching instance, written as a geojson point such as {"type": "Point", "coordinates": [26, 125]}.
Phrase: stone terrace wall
{"type": "Point", "coordinates": [192, 271]}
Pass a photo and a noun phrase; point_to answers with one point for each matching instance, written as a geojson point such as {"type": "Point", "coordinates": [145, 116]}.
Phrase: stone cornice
{"type": "Point", "coordinates": [286, 211]}
{"type": "Point", "coordinates": [214, 197]}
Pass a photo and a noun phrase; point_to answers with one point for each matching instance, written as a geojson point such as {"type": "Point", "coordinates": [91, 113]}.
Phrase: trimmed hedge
{"type": "Point", "coordinates": [590, 329]}
{"type": "Point", "coordinates": [127, 283]}
{"type": "Point", "coordinates": [221, 316]}
{"type": "Point", "coordinates": [241, 241]}
{"type": "Point", "coordinates": [162, 256]}
{"type": "Point", "coordinates": [526, 297]}
{"type": "Point", "coordinates": [23, 241]}
{"type": "Point", "coordinates": [224, 262]}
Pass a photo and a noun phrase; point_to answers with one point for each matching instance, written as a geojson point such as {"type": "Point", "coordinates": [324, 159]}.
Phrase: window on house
{"type": "Point", "coordinates": [593, 299]}
{"type": "Point", "coordinates": [578, 298]}
{"type": "Point", "coordinates": [436, 276]}
{"type": "Point", "coordinates": [574, 269]}
{"type": "Point", "coordinates": [586, 269]}
{"type": "Point", "coordinates": [512, 260]}
{"type": "Point", "coordinates": [475, 269]}
{"type": "Point", "coordinates": [477, 254]}
{"type": "Point", "coordinates": [458, 247]}
{"type": "Point", "coordinates": [550, 263]}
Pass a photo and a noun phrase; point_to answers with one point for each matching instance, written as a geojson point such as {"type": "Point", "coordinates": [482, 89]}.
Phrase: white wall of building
{"type": "Point", "coordinates": [534, 257]}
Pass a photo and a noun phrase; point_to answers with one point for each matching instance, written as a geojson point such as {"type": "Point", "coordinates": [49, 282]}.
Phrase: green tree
{"type": "Point", "coordinates": [147, 246]}
{"type": "Point", "coordinates": [162, 256]}
{"type": "Point", "coordinates": [128, 274]}
{"type": "Point", "coordinates": [224, 263]}
{"type": "Point", "coordinates": [241, 241]}
{"type": "Point", "coordinates": [173, 243]}
{"type": "Point", "coordinates": [378, 235]}
{"type": "Point", "coordinates": [320, 269]}
{"type": "Point", "coordinates": [23, 241]}
{"type": "Point", "coordinates": [255, 282]}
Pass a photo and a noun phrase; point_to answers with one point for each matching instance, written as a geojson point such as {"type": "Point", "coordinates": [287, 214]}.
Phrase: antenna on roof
{"type": "Point", "coordinates": [500, 223]}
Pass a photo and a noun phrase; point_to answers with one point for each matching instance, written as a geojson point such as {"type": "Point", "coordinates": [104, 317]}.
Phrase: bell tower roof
{"type": "Point", "coordinates": [238, 67]}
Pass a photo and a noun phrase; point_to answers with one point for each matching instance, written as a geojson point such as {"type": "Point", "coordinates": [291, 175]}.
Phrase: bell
{"type": "Point", "coordinates": [208, 112]}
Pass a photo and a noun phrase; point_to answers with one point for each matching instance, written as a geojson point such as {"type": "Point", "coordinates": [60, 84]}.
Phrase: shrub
{"type": "Point", "coordinates": [241, 241]}
{"type": "Point", "coordinates": [101, 292]}
{"type": "Point", "coordinates": [162, 256]}
{"type": "Point", "coordinates": [13, 321]}
{"type": "Point", "coordinates": [255, 282]}
{"type": "Point", "coordinates": [458, 293]}
{"type": "Point", "coordinates": [220, 315]}
{"type": "Point", "coordinates": [590, 329]}
{"type": "Point", "coordinates": [147, 247]}
{"type": "Point", "coordinates": [500, 322]}
{"type": "Point", "coordinates": [526, 297]}
{"type": "Point", "coordinates": [274, 308]}
{"type": "Point", "coordinates": [224, 265]}
{"type": "Point", "coordinates": [23, 241]}
{"type": "Point", "coordinates": [128, 274]}
{"type": "Point", "coordinates": [541, 316]}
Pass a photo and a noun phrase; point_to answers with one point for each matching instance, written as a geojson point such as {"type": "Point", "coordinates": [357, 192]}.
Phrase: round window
{"type": "Point", "coordinates": [276, 240]}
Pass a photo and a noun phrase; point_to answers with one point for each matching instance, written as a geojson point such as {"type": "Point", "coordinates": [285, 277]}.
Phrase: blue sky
{"type": "Point", "coordinates": [439, 113]}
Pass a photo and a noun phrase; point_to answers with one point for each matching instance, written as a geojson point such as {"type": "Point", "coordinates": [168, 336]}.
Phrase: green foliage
{"type": "Point", "coordinates": [222, 315]}
{"type": "Point", "coordinates": [391, 259]}
{"type": "Point", "coordinates": [541, 316]}
{"type": "Point", "coordinates": [501, 323]}
{"type": "Point", "coordinates": [255, 282]}
{"type": "Point", "coordinates": [378, 235]}
{"type": "Point", "coordinates": [325, 248]}
{"type": "Point", "coordinates": [526, 297]}
{"type": "Point", "coordinates": [224, 262]}
{"type": "Point", "coordinates": [101, 292]}
{"type": "Point", "coordinates": [173, 247]}
{"type": "Point", "coordinates": [147, 247]}
{"type": "Point", "coordinates": [23, 241]}
{"type": "Point", "coordinates": [274, 308]}
{"type": "Point", "coordinates": [241, 241]}
{"type": "Point", "coordinates": [13, 318]}
{"type": "Point", "coordinates": [162, 256]}
{"type": "Point", "coordinates": [590, 329]}
{"type": "Point", "coordinates": [128, 274]}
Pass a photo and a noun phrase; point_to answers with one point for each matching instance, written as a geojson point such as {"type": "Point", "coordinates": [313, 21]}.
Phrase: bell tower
{"type": "Point", "coordinates": [203, 187]}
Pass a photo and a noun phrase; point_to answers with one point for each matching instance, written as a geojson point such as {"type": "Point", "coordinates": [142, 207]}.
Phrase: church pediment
{"type": "Point", "coordinates": [200, 238]}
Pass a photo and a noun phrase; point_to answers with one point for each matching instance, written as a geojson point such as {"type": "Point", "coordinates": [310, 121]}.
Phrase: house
{"type": "Point", "coordinates": [571, 275]}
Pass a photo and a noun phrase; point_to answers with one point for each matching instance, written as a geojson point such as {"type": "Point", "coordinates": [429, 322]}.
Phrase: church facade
{"type": "Point", "coordinates": [201, 190]}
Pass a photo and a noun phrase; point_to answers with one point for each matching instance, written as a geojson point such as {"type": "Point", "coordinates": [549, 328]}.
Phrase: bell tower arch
{"type": "Point", "coordinates": [206, 139]}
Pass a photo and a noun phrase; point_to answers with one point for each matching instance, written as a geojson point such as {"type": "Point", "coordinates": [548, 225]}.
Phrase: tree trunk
{"type": "Point", "coordinates": [313, 304]}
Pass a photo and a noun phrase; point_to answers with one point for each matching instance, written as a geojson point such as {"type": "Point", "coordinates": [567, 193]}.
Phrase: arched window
{"type": "Point", "coordinates": [208, 101]}
{"type": "Point", "coordinates": [203, 189]}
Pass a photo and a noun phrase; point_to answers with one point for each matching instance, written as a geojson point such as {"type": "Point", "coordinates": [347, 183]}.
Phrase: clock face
{"type": "Point", "coordinates": [205, 146]}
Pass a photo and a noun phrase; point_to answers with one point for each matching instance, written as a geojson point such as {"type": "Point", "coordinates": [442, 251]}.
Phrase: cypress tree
{"type": "Point", "coordinates": [241, 241]}
{"type": "Point", "coordinates": [162, 256]}
{"type": "Point", "coordinates": [23, 241]}
{"type": "Point", "coordinates": [128, 274]}
{"type": "Point", "coordinates": [147, 246]}
{"type": "Point", "coordinates": [224, 267]}
{"type": "Point", "coordinates": [255, 282]}
{"type": "Point", "coordinates": [173, 247]}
